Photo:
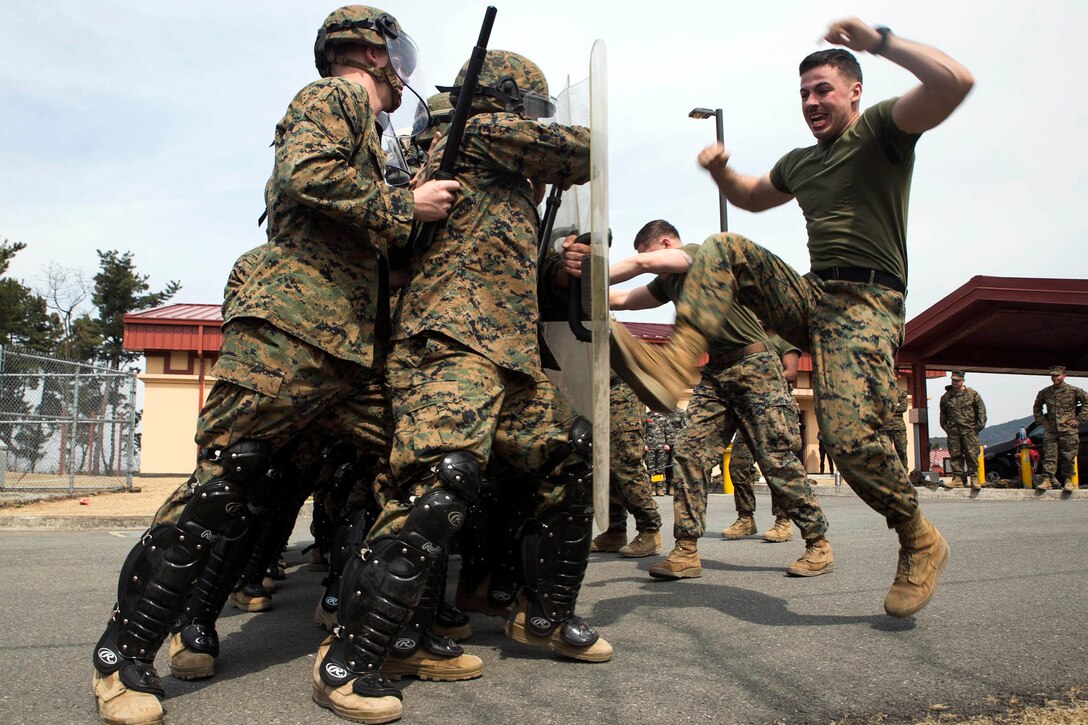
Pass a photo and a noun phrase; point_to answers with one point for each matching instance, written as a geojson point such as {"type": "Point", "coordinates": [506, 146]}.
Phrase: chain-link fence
{"type": "Point", "coordinates": [64, 425]}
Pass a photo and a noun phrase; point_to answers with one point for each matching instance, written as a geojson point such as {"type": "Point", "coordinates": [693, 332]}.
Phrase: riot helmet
{"type": "Point", "coordinates": [363, 25]}
{"type": "Point", "coordinates": [507, 82]}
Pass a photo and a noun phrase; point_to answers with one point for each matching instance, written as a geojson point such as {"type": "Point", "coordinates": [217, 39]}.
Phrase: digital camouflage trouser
{"type": "Point", "coordinates": [629, 488]}
{"type": "Point", "coordinates": [852, 330]}
{"type": "Point", "coordinates": [750, 396]}
{"type": "Point", "coordinates": [742, 472]}
{"type": "Point", "coordinates": [1059, 454]}
{"type": "Point", "coordinates": [963, 452]}
{"type": "Point", "coordinates": [446, 397]}
{"type": "Point", "coordinates": [271, 387]}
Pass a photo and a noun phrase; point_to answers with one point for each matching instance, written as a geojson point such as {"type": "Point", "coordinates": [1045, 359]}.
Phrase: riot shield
{"type": "Point", "coordinates": [583, 366]}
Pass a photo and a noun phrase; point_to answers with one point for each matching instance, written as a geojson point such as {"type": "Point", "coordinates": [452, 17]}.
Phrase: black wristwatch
{"type": "Point", "coordinates": [885, 33]}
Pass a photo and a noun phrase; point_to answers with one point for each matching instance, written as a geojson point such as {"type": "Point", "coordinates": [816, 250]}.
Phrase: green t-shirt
{"type": "Point", "coordinates": [854, 193]}
{"type": "Point", "coordinates": [782, 347]}
{"type": "Point", "coordinates": [740, 329]}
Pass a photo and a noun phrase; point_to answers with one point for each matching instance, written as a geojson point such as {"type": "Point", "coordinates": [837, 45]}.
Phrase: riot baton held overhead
{"type": "Point", "coordinates": [460, 116]}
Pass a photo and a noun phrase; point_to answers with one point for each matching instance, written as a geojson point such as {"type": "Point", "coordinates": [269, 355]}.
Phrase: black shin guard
{"type": "Point", "coordinates": [382, 586]}
{"type": "Point", "coordinates": [163, 569]}
{"type": "Point", "coordinates": [196, 625]}
{"type": "Point", "coordinates": [555, 552]}
{"type": "Point", "coordinates": [419, 632]}
{"type": "Point", "coordinates": [347, 539]}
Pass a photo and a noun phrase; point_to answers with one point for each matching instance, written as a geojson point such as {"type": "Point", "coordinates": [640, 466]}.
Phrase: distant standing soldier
{"type": "Point", "coordinates": [655, 451]}
{"type": "Point", "coordinates": [673, 424]}
{"type": "Point", "coordinates": [1060, 408]}
{"type": "Point", "coordinates": [896, 429]}
{"type": "Point", "coordinates": [963, 416]}
{"type": "Point", "coordinates": [629, 487]}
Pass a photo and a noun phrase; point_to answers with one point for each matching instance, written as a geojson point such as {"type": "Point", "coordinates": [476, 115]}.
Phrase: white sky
{"type": "Point", "coordinates": [145, 127]}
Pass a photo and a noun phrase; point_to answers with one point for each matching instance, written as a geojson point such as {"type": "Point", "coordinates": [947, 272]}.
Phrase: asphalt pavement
{"type": "Point", "coordinates": [743, 644]}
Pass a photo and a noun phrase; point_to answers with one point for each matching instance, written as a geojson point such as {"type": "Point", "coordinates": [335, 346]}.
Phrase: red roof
{"type": "Point", "coordinates": [179, 314]}
{"type": "Point", "coordinates": [194, 328]}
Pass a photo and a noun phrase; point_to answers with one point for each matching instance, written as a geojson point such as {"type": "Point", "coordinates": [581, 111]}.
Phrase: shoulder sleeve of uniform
{"type": "Point", "coordinates": [327, 157]}
{"type": "Point", "coordinates": [781, 170]}
{"type": "Point", "coordinates": [545, 152]}
{"type": "Point", "coordinates": [898, 145]}
{"type": "Point", "coordinates": [658, 290]}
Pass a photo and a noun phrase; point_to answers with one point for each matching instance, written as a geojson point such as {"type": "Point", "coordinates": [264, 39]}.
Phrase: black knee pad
{"type": "Point", "coordinates": [433, 520]}
{"type": "Point", "coordinates": [459, 472]}
{"type": "Point", "coordinates": [581, 438]}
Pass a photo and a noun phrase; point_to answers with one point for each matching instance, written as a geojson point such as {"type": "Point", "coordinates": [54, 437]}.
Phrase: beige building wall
{"type": "Point", "coordinates": [172, 403]}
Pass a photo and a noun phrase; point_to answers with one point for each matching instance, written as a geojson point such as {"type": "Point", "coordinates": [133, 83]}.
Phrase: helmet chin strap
{"type": "Point", "coordinates": [385, 74]}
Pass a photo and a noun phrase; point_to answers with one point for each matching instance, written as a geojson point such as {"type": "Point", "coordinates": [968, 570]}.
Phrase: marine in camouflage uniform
{"type": "Point", "coordinates": [848, 311]}
{"type": "Point", "coordinates": [896, 428]}
{"type": "Point", "coordinates": [741, 388]}
{"type": "Point", "coordinates": [1060, 409]}
{"type": "Point", "coordinates": [629, 487]}
{"type": "Point", "coordinates": [465, 371]}
{"type": "Point", "coordinates": [742, 471]}
{"type": "Point", "coordinates": [673, 427]}
{"type": "Point", "coordinates": [655, 450]}
{"type": "Point", "coordinates": [962, 416]}
{"type": "Point", "coordinates": [302, 341]}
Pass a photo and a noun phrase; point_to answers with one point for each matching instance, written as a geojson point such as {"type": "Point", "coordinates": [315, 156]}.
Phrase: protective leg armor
{"type": "Point", "coordinates": [419, 632]}
{"type": "Point", "coordinates": [555, 551]}
{"type": "Point", "coordinates": [162, 570]}
{"type": "Point", "coordinates": [382, 586]}
{"type": "Point", "coordinates": [347, 539]}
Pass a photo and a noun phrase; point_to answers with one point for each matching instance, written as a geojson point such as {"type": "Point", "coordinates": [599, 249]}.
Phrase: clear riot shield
{"type": "Point", "coordinates": [583, 366]}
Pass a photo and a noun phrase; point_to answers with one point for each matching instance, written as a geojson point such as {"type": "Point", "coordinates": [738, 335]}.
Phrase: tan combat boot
{"type": "Point", "coordinates": [1069, 486]}
{"type": "Point", "coordinates": [974, 483]}
{"type": "Point", "coordinates": [425, 666]}
{"type": "Point", "coordinates": [645, 543]}
{"type": "Point", "coordinates": [344, 702]}
{"type": "Point", "coordinates": [923, 555]}
{"type": "Point", "coordinates": [780, 532]}
{"type": "Point", "coordinates": [681, 563]}
{"type": "Point", "coordinates": [318, 561]}
{"type": "Point", "coordinates": [815, 561]}
{"type": "Point", "coordinates": [260, 602]}
{"type": "Point", "coordinates": [186, 664]}
{"type": "Point", "coordinates": [954, 483]}
{"type": "Point", "coordinates": [599, 651]}
{"type": "Point", "coordinates": [118, 705]}
{"type": "Point", "coordinates": [323, 618]}
{"type": "Point", "coordinates": [609, 541]}
{"type": "Point", "coordinates": [745, 525]}
{"type": "Point", "coordinates": [1048, 484]}
{"type": "Point", "coordinates": [660, 375]}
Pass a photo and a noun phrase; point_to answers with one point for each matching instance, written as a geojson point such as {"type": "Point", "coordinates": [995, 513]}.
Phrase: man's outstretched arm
{"type": "Point", "coordinates": [751, 193]}
{"type": "Point", "coordinates": [661, 261]}
{"type": "Point", "coordinates": [944, 82]}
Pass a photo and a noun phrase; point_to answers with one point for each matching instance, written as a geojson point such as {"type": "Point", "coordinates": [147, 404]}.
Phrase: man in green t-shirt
{"type": "Point", "coordinates": [741, 387]}
{"type": "Point", "coordinates": [852, 186]}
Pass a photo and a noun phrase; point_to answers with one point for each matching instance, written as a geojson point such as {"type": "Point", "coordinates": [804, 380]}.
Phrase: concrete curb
{"type": "Point", "coordinates": [72, 523]}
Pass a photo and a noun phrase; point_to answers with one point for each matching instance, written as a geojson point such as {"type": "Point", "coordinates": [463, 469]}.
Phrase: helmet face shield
{"type": "Point", "coordinates": [397, 172]}
{"type": "Point", "coordinates": [403, 56]}
{"type": "Point", "coordinates": [536, 107]}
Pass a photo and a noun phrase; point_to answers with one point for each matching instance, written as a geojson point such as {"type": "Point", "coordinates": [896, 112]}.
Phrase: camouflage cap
{"type": "Point", "coordinates": [958, 375]}
{"type": "Point", "coordinates": [1057, 370]}
{"type": "Point", "coordinates": [509, 81]}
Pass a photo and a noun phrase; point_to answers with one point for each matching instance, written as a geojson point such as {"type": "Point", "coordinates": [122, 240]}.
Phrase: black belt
{"type": "Point", "coordinates": [724, 360]}
{"type": "Point", "coordinates": [862, 274]}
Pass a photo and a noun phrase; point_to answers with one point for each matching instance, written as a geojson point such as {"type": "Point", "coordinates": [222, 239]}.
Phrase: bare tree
{"type": "Point", "coordinates": [66, 289]}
